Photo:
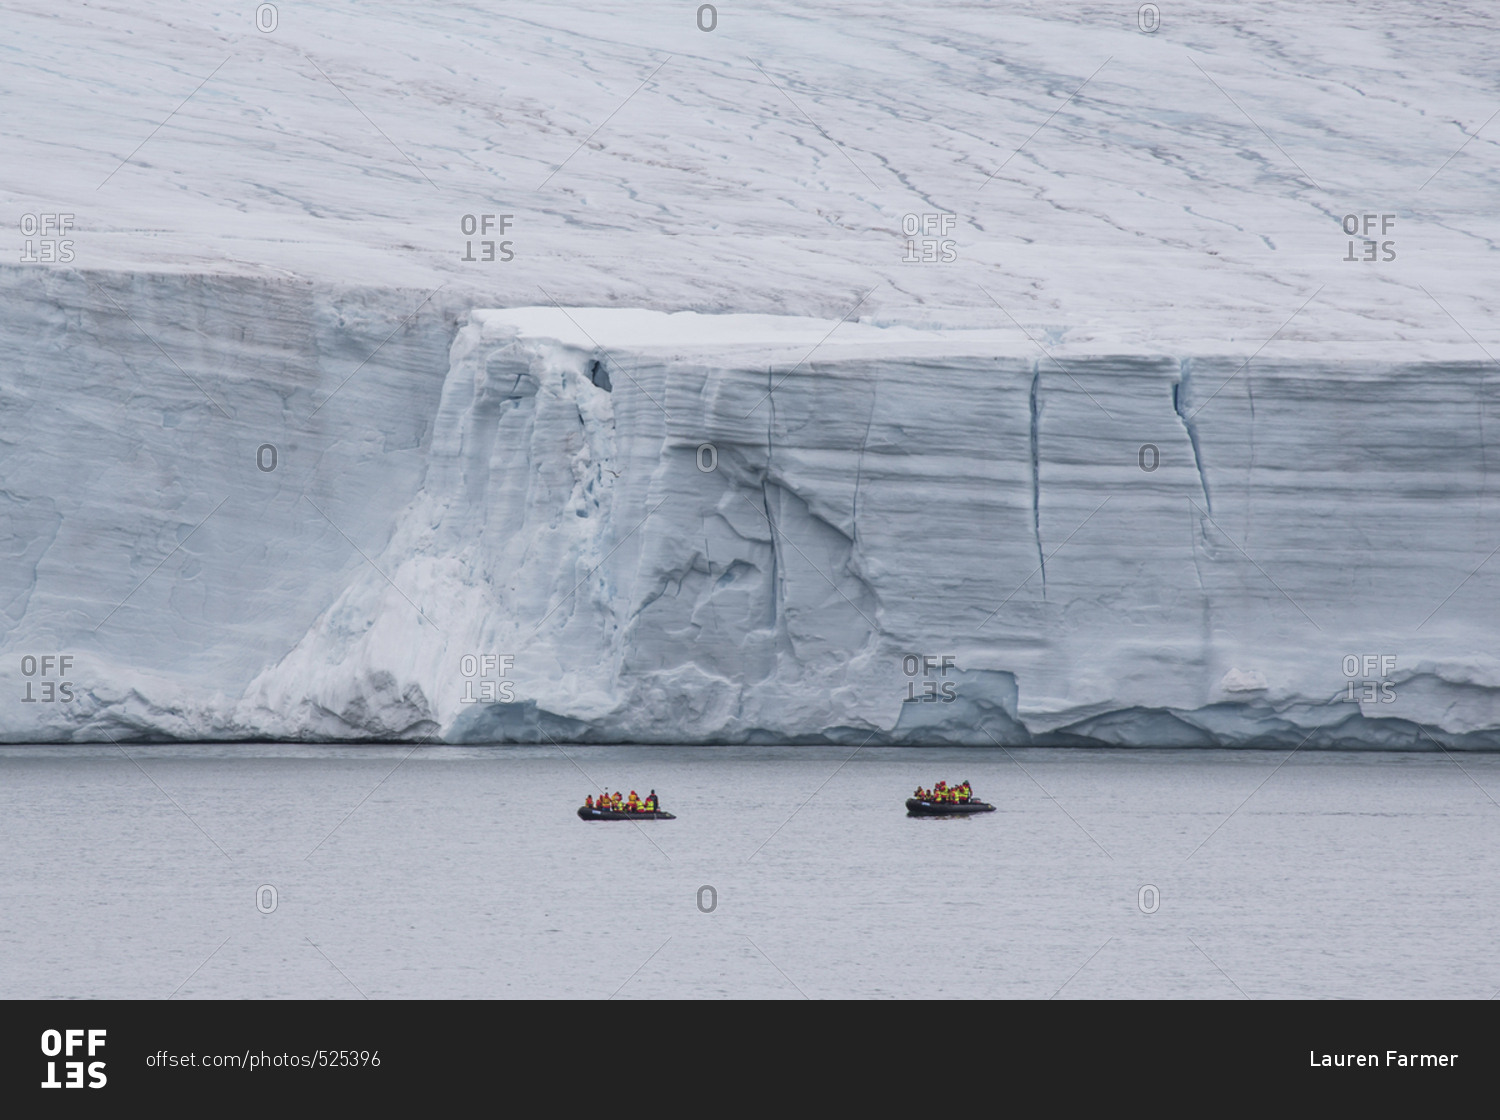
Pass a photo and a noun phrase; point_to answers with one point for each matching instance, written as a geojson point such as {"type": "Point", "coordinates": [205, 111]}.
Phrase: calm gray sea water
{"type": "Point", "coordinates": [463, 872]}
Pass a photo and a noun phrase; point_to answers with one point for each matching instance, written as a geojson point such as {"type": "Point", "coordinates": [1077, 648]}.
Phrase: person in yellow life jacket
{"type": "Point", "coordinates": [614, 802]}
{"type": "Point", "coordinates": [651, 802]}
{"type": "Point", "coordinates": [634, 803]}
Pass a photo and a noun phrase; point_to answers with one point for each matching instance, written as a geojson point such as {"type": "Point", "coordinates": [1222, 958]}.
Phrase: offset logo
{"type": "Point", "coordinates": [936, 245]}
{"type": "Point", "coordinates": [50, 669]}
{"type": "Point", "coordinates": [1352, 226]}
{"type": "Point", "coordinates": [471, 224]}
{"type": "Point", "coordinates": [49, 247]}
{"type": "Point", "coordinates": [911, 664]}
{"type": "Point", "coordinates": [498, 690]}
{"type": "Point", "coordinates": [1367, 694]}
{"type": "Point", "coordinates": [67, 1043]}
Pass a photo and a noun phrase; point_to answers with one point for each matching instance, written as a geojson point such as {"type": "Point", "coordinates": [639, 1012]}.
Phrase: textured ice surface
{"type": "Point", "coordinates": [1150, 272]}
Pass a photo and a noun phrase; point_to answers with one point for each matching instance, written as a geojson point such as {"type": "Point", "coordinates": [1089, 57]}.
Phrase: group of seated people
{"type": "Point", "coordinates": [944, 792]}
{"type": "Point", "coordinates": [615, 803]}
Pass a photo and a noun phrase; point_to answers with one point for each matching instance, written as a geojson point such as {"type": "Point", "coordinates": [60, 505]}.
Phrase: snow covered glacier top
{"type": "Point", "coordinates": [913, 375]}
{"type": "Point", "coordinates": [1106, 183]}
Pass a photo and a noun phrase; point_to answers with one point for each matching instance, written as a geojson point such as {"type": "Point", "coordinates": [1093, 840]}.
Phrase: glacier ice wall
{"type": "Point", "coordinates": [617, 525]}
{"type": "Point", "coordinates": [138, 534]}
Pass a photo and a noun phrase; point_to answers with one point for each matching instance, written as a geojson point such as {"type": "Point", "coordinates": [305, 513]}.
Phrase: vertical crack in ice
{"type": "Point", "coordinates": [765, 498]}
{"type": "Point", "coordinates": [1195, 530]}
{"type": "Point", "coordinates": [1036, 477]}
{"type": "Point", "coordinates": [1179, 405]}
{"type": "Point", "coordinates": [1484, 459]}
{"type": "Point", "coordinates": [859, 468]}
{"type": "Point", "coordinates": [712, 588]}
{"type": "Point", "coordinates": [1250, 480]}
{"type": "Point", "coordinates": [770, 420]}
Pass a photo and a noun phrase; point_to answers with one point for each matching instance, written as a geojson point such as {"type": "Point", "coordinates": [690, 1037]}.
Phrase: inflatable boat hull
{"type": "Point", "coordinates": [587, 814]}
{"type": "Point", "coordinates": [916, 807]}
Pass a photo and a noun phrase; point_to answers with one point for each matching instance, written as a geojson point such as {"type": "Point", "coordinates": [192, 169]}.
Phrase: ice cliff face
{"type": "Point", "coordinates": [138, 533]}
{"type": "Point", "coordinates": [635, 526]}
{"type": "Point", "coordinates": [1130, 436]}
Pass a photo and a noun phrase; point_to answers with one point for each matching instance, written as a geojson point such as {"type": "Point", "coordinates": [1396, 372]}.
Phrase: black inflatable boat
{"type": "Point", "coordinates": [919, 807]}
{"type": "Point", "coordinates": [587, 814]}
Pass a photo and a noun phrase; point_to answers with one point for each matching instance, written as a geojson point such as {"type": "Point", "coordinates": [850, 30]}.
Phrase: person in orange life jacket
{"type": "Point", "coordinates": [634, 804]}
{"type": "Point", "coordinates": [588, 802]}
